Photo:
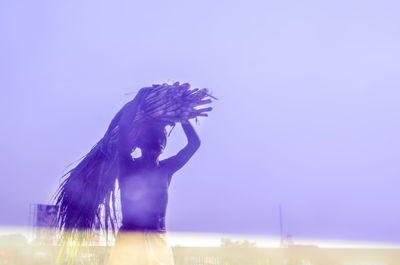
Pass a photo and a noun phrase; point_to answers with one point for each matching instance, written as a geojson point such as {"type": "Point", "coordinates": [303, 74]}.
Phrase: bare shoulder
{"type": "Point", "coordinates": [167, 163]}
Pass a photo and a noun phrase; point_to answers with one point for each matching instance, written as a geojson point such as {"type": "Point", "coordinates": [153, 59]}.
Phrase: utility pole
{"type": "Point", "coordinates": [281, 223]}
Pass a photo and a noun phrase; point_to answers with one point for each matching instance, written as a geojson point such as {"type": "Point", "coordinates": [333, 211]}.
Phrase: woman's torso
{"type": "Point", "coordinates": [144, 196]}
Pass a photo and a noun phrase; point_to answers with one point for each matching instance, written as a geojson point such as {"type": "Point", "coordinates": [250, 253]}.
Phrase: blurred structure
{"type": "Point", "coordinates": [29, 254]}
{"type": "Point", "coordinates": [43, 219]}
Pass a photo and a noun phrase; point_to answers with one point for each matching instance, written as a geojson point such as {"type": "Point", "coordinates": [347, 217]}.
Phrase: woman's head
{"type": "Point", "coordinates": [152, 140]}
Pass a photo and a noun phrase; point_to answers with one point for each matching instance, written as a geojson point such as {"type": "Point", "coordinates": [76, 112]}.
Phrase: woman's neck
{"type": "Point", "coordinates": [148, 162]}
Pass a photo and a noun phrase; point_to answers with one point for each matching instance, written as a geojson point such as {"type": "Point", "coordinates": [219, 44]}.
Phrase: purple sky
{"type": "Point", "coordinates": [308, 116]}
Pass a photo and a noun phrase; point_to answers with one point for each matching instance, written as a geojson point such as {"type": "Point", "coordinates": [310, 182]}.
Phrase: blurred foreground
{"type": "Point", "coordinates": [17, 249]}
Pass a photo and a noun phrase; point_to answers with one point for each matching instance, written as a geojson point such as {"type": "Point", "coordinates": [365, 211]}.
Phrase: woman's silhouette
{"type": "Point", "coordinates": [144, 186]}
{"type": "Point", "coordinates": [89, 188]}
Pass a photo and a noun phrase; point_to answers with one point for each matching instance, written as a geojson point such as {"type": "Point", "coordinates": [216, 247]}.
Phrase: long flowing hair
{"type": "Point", "coordinates": [90, 187]}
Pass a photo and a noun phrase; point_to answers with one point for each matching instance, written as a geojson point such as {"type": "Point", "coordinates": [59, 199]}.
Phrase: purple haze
{"type": "Point", "coordinates": [308, 116]}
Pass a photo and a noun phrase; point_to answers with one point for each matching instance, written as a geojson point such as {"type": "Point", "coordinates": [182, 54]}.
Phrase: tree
{"type": "Point", "coordinates": [229, 243]}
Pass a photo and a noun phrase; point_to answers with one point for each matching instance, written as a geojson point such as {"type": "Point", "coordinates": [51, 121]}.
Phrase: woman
{"type": "Point", "coordinates": [144, 186]}
{"type": "Point", "coordinates": [89, 188]}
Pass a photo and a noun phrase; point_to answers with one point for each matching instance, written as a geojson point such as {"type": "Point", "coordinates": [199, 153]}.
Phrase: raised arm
{"type": "Point", "coordinates": [176, 162]}
{"type": "Point", "coordinates": [129, 126]}
{"type": "Point", "coordinates": [128, 129]}
{"type": "Point", "coordinates": [123, 144]}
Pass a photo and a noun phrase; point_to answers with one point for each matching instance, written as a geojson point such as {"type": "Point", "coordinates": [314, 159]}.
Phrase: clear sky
{"type": "Point", "coordinates": [308, 113]}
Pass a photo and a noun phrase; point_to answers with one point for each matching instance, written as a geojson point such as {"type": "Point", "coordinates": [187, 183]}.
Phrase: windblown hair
{"type": "Point", "coordinates": [90, 186]}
